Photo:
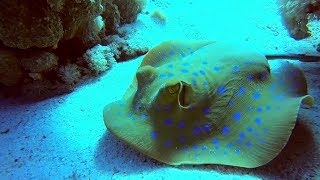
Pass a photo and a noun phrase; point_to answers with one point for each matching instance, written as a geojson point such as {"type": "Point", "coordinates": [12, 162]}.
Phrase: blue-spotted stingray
{"type": "Point", "coordinates": [209, 102]}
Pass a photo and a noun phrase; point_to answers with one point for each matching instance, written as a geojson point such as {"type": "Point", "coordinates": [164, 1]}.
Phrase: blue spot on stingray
{"type": "Point", "coordinates": [170, 66]}
{"type": "Point", "coordinates": [280, 97]}
{"type": "Point", "coordinates": [242, 135]}
{"type": "Point", "coordinates": [256, 95]}
{"type": "Point", "coordinates": [231, 102]}
{"type": "Point", "coordinates": [258, 121]}
{"type": "Point", "coordinates": [225, 153]}
{"type": "Point", "coordinates": [215, 142]}
{"type": "Point", "coordinates": [167, 107]}
{"type": "Point", "coordinates": [195, 147]}
{"type": "Point", "coordinates": [133, 118]}
{"type": "Point", "coordinates": [249, 129]}
{"type": "Point", "coordinates": [170, 75]}
{"type": "Point", "coordinates": [263, 76]}
{"type": "Point", "coordinates": [204, 62]}
{"type": "Point", "coordinates": [171, 53]}
{"type": "Point", "coordinates": [168, 121]}
{"type": "Point", "coordinates": [241, 91]}
{"type": "Point", "coordinates": [185, 149]}
{"type": "Point", "coordinates": [216, 68]}
{"type": "Point", "coordinates": [261, 140]}
{"type": "Point", "coordinates": [268, 108]}
{"type": "Point", "coordinates": [250, 78]}
{"type": "Point", "coordinates": [184, 71]}
{"type": "Point", "coordinates": [225, 130]}
{"type": "Point", "coordinates": [168, 143]}
{"type": "Point", "coordinates": [205, 83]}
{"type": "Point", "coordinates": [247, 63]}
{"type": "Point", "coordinates": [237, 116]}
{"type": "Point", "coordinates": [239, 142]}
{"type": "Point", "coordinates": [185, 64]}
{"type": "Point", "coordinates": [207, 128]}
{"type": "Point", "coordinates": [143, 117]}
{"type": "Point", "coordinates": [162, 76]}
{"type": "Point", "coordinates": [182, 139]}
{"type": "Point", "coordinates": [129, 115]}
{"type": "Point", "coordinates": [202, 72]}
{"type": "Point", "coordinates": [195, 74]}
{"type": "Point", "coordinates": [181, 124]}
{"type": "Point", "coordinates": [259, 109]}
{"type": "Point", "coordinates": [235, 69]}
{"type": "Point", "coordinates": [248, 144]}
{"type": "Point", "coordinates": [203, 148]}
{"type": "Point", "coordinates": [266, 131]}
{"type": "Point", "coordinates": [194, 82]}
{"type": "Point", "coordinates": [206, 111]}
{"type": "Point", "coordinates": [221, 90]}
{"type": "Point", "coordinates": [237, 151]}
{"type": "Point", "coordinates": [154, 135]}
{"type": "Point", "coordinates": [196, 130]}
{"type": "Point", "coordinates": [229, 146]}
{"type": "Point", "coordinates": [121, 104]}
{"type": "Point", "coordinates": [138, 106]}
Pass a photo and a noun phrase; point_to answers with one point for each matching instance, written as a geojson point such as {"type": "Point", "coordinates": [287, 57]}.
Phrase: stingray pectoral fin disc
{"type": "Point", "coordinates": [243, 113]}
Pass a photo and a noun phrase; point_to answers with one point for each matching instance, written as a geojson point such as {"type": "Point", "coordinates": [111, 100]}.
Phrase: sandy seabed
{"type": "Point", "coordinates": [65, 138]}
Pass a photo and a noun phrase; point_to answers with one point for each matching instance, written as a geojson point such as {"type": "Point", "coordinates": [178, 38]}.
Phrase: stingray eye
{"type": "Point", "coordinates": [174, 89]}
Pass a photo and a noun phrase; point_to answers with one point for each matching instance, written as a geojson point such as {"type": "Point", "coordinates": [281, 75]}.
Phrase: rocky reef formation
{"type": "Point", "coordinates": [49, 46]}
{"type": "Point", "coordinates": [296, 15]}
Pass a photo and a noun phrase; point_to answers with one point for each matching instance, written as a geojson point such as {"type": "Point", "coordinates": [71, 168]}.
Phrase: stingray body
{"type": "Point", "coordinates": [209, 103]}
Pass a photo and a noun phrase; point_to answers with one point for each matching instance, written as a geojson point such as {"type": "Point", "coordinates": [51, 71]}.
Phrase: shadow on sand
{"type": "Point", "coordinates": [115, 157]}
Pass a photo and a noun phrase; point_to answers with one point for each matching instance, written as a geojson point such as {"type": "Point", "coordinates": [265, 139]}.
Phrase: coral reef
{"type": "Point", "coordinates": [129, 9]}
{"type": "Point", "coordinates": [10, 71]}
{"type": "Point", "coordinates": [111, 17]}
{"type": "Point", "coordinates": [78, 15]}
{"type": "Point", "coordinates": [41, 24]}
{"type": "Point", "coordinates": [99, 58]}
{"type": "Point", "coordinates": [41, 89]}
{"type": "Point", "coordinates": [40, 62]}
{"type": "Point", "coordinates": [122, 50]}
{"type": "Point", "coordinates": [24, 24]}
{"type": "Point", "coordinates": [48, 47]}
{"type": "Point", "coordinates": [69, 73]}
{"type": "Point", "coordinates": [296, 16]}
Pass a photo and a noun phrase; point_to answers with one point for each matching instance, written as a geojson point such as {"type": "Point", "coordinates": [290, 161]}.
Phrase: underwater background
{"type": "Point", "coordinates": [56, 79]}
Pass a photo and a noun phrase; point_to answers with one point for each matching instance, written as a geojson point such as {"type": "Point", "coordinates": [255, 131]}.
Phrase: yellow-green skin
{"type": "Point", "coordinates": [209, 103]}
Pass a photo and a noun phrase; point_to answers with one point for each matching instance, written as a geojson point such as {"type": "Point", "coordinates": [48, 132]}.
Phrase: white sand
{"type": "Point", "coordinates": [65, 137]}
